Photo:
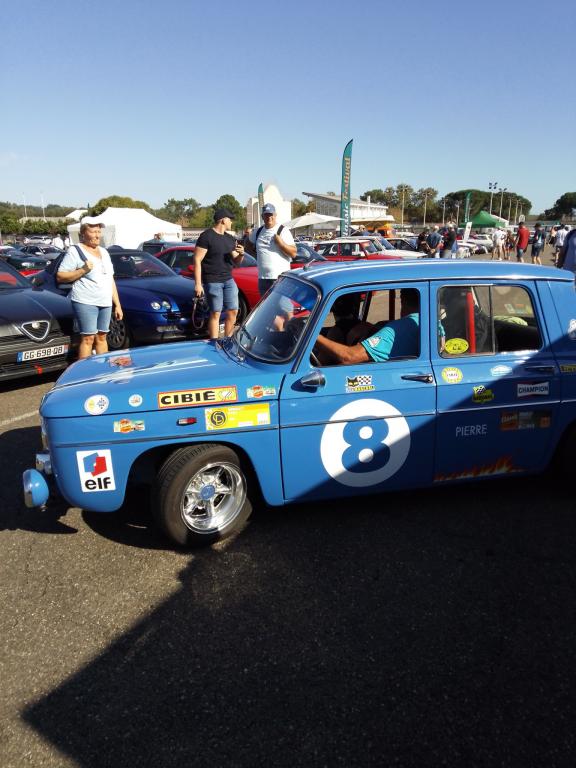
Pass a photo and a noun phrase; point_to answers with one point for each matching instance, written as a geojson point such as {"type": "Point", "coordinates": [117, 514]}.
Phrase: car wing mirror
{"type": "Point", "coordinates": [313, 380]}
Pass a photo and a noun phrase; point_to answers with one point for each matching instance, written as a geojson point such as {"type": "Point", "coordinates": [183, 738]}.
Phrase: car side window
{"type": "Point", "coordinates": [482, 319]}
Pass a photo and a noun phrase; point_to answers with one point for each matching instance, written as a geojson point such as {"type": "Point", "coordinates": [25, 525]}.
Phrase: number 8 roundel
{"type": "Point", "coordinates": [364, 450]}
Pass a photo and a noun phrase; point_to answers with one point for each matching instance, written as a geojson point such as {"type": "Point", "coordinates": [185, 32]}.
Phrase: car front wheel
{"type": "Point", "coordinates": [201, 495]}
{"type": "Point", "coordinates": [118, 335]}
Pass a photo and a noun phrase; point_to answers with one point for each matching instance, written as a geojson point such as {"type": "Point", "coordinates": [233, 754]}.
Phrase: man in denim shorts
{"type": "Point", "coordinates": [214, 256]}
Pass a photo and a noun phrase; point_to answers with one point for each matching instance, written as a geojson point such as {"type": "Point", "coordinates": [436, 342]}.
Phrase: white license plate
{"type": "Point", "coordinates": [39, 354]}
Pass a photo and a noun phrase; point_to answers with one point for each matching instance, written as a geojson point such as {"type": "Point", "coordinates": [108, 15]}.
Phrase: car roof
{"type": "Point", "coordinates": [330, 276]}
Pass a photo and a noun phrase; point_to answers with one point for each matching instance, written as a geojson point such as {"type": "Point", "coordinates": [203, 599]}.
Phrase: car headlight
{"type": "Point", "coordinates": [161, 304]}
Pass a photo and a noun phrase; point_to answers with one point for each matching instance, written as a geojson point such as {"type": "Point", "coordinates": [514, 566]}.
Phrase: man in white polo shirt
{"type": "Point", "coordinates": [275, 249]}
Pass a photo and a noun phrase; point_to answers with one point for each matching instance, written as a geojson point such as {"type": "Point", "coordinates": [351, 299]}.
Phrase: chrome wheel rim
{"type": "Point", "coordinates": [213, 498]}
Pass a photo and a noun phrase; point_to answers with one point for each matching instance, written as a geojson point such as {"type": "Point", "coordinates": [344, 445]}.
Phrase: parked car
{"type": "Point", "coordinates": [181, 259]}
{"type": "Point", "coordinates": [158, 305]}
{"type": "Point", "coordinates": [38, 249]}
{"type": "Point", "coordinates": [489, 391]}
{"type": "Point", "coordinates": [35, 327]}
{"type": "Point", "coordinates": [26, 265]}
{"type": "Point", "coordinates": [402, 243]}
{"type": "Point", "coordinates": [156, 246]}
{"type": "Point", "coordinates": [352, 248]}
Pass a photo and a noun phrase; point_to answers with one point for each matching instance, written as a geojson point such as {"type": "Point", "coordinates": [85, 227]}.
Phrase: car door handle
{"type": "Point", "coordinates": [427, 378]}
{"type": "Point", "coordinates": [540, 368]}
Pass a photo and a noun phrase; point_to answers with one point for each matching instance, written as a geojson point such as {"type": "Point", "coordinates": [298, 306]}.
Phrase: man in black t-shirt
{"type": "Point", "coordinates": [214, 256]}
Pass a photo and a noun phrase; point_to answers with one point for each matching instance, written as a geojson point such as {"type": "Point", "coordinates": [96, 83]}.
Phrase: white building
{"type": "Point", "coordinates": [362, 212]}
{"type": "Point", "coordinates": [271, 195]}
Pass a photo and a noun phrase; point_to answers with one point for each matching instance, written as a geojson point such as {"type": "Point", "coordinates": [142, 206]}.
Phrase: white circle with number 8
{"type": "Point", "coordinates": [333, 444]}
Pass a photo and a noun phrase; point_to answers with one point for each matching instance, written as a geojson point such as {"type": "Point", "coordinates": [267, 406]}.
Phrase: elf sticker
{"type": "Point", "coordinates": [96, 471]}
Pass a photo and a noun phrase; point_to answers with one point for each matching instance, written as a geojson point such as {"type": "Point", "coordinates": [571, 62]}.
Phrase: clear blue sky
{"type": "Point", "coordinates": [185, 99]}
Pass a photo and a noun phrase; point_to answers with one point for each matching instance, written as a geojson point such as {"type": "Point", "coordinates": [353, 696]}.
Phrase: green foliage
{"type": "Point", "coordinates": [179, 211]}
{"type": "Point", "coordinates": [299, 207]}
{"type": "Point", "coordinates": [563, 206]}
{"type": "Point", "coordinates": [230, 202]}
{"type": "Point", "coordinates": [115, 201]}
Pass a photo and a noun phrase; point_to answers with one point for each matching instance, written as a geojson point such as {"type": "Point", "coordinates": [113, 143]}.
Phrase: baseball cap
{"type": "Point", "coordinates": [92, 221]}
{"type": "Point", "coordinates": [222, 213]}
{"type": "Point", "coordinates": [268, 208]}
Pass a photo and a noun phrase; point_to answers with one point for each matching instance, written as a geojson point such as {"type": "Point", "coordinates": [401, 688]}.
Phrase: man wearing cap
{"type": "Point", "coordinates": [275, 249]}
{"type": "Point", "coordinates": [215, 253]}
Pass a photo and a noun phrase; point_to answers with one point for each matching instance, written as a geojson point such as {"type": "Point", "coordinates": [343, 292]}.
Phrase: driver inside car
{"type": "Point", "coordinates": [398, 338]}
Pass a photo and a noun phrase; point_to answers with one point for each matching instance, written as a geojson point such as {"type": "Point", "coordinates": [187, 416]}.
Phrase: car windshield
{"type": "Point", "coordinates": [138, 264]}
{"type": "Point", "coordinates": [272, 332]}
{"type": "Point", "coordinates": [371, 246]}
{"type": "Point", "coordinates": [387, 245]}
{"type": "Point", "coordinates": [10, 278]}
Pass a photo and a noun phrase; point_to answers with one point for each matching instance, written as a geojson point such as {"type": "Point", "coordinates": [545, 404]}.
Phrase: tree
{"type": "Point", "coordinates": [179, 211]}
{"type": "Point", "coordinates": [299, 207]}
{"type": "Point", "coordinates": [230, 202]}
{"type": "Point", "coordinates": [563, 206]}
{"type": "Point", "coordinates": [114, 201]}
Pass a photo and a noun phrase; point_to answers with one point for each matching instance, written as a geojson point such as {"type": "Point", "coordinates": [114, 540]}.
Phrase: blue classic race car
{"type": "Point", "coordinates": [346, 379]}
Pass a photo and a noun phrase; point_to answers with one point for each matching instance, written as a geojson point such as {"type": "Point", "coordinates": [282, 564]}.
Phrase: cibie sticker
{"type": "Point", "coordinates": [530, 390]}
{"type": "Point", "coordinates": [452, 375]}
{"type": "Point", "coordinates": [185, 398]}
{"type": "Point", "coordinates": [456, 346]}
{"type": "Point", "coordinates": [135, 401]}
{"type": "Point", "coordinates": [572, 329]}
{"type": "Point", "coordinates": [96, 405]}
{"type": "Point", "coordinates": [96, 471]}
{"type": "Point", "coordinates": [365, 443]}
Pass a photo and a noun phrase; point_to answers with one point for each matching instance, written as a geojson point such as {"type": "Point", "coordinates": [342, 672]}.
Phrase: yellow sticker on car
{"type": "Point", "coordinates": [238, 416]}
{"type": "Point", "coordinates": [186, 398]}
{"type": "Point", "coordinates": [456, 346]}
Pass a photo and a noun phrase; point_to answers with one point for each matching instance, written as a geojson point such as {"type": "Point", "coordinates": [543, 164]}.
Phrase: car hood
{"type": "Point", "coordinates": [141, 376]}
{"type": "Point", "coordinates": [153, 287]}
{"type": "Point", "coordinates": [26, 304]}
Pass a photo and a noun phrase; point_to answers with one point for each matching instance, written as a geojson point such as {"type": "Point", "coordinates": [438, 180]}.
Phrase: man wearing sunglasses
{"type": "Point", "coordinates": [275, 248]}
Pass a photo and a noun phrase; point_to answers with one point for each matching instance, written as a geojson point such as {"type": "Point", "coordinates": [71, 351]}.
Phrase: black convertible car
{"type": "Point", "coordinates": [35, 327]}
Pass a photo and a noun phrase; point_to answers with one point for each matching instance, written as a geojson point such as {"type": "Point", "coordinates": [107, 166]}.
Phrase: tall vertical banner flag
{"type": "Point", "coordinates": [467, 207]}
{"type": "Point", "coordinates": [260, 202]}
{"type": "Point", "coordinates": [345, 191]}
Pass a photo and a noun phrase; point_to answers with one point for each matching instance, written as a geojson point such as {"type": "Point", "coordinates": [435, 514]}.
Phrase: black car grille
{"type": "Point", "coordinates": [37, 330]}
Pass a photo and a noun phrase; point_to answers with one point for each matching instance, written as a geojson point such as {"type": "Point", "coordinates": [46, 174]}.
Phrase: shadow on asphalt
{"type": "Point", "coordinates": [18, 448]}
{"type": "Point", "coordinates": [415, 629]}
{"type": "Point", "coordinates": [15, 385]}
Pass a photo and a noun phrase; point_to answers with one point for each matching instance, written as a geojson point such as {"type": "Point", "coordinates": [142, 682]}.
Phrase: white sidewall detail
{"type": "Point", "coordinates": [333, 444]}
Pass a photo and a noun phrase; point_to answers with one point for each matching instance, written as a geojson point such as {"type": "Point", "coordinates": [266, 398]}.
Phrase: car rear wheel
{"type": "Point", "coordinates": [201, 495]}
{"type": "Point", "coordinates": [118, 335]}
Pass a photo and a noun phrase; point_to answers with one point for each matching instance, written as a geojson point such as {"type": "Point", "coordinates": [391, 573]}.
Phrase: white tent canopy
{"type": "Point", "coordinates": [129, 227]}
{"type": "Point", "coordinates": [310, 220]}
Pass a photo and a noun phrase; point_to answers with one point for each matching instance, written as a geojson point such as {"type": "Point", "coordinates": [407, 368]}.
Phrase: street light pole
{"type": "Point", "coordinates": [502, 199]}
{"type": "Point", "coordinates": [492, 185]}
{"type": "Point", "coordinates": [510, 206]}
{"type": "Point", "coordinates": [425, 201]}
{"type": "Point", "coordinates": [403, 190]}
{"type": "Point", "coordinates": [443, 211]}
{"type": "Point", "coordinates": [457, 214]}
{"type": "Point", "coordinates": [516, 212]}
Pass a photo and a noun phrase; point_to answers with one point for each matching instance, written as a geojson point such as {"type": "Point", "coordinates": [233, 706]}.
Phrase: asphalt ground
{"type": "Point", "coordinates": [428, 628]}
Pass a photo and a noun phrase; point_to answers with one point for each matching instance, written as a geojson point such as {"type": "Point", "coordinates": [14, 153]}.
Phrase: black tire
{"type": "Point", "coordinates": [118, 335]}
{"type": "Point", "coordinates": [242, 310]}
{"type": "Point", "coordinates": [183, 512]}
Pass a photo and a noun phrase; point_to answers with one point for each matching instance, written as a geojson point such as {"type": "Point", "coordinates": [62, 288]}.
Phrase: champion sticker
{"type": "Point", "coordinates": [361, 383]}
{"type": "Point", "coordinates": [540, 389]}
{"type": "Point", "coordinates": [186, 398]}
{"type": "Point", "coordinates": [366, 442]}
{"type": "Point", "coordinates": [452, 375]}
{"type": "Point", "coordinates": [96, 405]}
{"type": "Point", "coordinates": [135, 400]}
{"type": "Point", "coordinates": [96, 471]}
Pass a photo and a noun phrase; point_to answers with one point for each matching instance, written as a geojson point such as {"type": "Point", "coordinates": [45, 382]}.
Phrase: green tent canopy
{"type": "Point", "coordinates": [485, 219]}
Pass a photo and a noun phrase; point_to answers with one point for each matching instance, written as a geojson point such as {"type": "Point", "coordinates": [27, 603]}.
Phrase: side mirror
{"type": "Point", "coordinates": [313, 380]}
{"type": "Point", "coordinates": [190, 268]}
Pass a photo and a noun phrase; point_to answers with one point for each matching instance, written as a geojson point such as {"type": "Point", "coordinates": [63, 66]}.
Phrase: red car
{"type": "Point", "coordinates": [181, 259]}
{"type": "Point", "coordinates": [353, 248]}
